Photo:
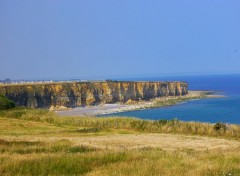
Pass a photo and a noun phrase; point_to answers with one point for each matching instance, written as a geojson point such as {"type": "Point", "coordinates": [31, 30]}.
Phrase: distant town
{"type": "Point", "coordinates": [22, 81]}
{"type": "Point", "coordinates": [9, 81]}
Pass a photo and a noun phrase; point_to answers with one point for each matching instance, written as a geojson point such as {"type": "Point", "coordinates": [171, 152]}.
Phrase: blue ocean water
{"type": "Point", "coordinates": [226, 110]}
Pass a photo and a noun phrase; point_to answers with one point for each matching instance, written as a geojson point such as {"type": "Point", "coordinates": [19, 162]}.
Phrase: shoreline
{"type": "Point", "coordinates": [133, 105]}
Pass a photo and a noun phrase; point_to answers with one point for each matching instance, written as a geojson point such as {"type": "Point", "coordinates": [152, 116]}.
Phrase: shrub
{"type": "Point", "coordinates": [5, 103]}
{"type": "Point", "coordinates": [219, 126]}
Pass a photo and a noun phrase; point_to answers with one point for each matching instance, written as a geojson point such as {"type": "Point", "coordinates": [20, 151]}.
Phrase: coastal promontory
{"type": "Point", "coordinates": [76, 94]}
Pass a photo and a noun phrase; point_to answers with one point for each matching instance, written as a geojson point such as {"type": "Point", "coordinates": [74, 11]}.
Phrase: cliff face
{"type": "Point", "coordinates": [88, 93]}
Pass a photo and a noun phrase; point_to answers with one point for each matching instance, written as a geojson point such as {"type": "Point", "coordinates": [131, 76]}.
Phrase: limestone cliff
{"type": "Point", "coordinates": [88, 93]}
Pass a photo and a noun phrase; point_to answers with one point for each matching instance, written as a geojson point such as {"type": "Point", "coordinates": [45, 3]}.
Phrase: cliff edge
{"type": "Point", "coordinates": [77, 94]}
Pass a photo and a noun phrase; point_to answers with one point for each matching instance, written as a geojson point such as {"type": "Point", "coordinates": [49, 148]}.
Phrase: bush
{"type": "Point", "coordinates": [5, 103]}
{"type": "Point", "coordinates": [219, 126]}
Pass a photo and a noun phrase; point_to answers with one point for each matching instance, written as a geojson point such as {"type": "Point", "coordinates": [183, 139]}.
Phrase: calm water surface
{"type": "Point", "coordinates": [225, 109]}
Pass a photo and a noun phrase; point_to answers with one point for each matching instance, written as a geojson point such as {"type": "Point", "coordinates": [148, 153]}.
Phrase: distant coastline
{"type": "Point", "coordinates": [56, 96]}
{"type": "Point", "coordinates": [133, 105]}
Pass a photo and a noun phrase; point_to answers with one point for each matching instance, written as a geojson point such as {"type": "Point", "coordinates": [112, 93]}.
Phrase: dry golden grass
{"type": "Point", "coordinates": [36, 142]}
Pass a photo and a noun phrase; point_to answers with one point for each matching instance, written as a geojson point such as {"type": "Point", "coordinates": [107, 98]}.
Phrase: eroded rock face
{"type": "Point", "coordinates": [89, 93]}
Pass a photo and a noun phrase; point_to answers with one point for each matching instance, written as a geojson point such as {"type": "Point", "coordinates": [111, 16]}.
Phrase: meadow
{"type": "Point", "coordinates": [39, 142]}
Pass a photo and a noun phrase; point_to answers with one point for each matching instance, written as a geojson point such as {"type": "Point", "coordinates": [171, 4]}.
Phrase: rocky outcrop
{"type": "Point", "coordinates": [88, 93]}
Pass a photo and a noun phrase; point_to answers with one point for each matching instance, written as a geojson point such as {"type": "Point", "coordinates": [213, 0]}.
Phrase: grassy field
{"type": "Point", "coordinates": [38, 142]}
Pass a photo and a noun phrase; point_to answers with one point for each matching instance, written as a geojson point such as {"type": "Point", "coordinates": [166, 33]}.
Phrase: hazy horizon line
{"type": "Point", "coordinates": [102, 77]}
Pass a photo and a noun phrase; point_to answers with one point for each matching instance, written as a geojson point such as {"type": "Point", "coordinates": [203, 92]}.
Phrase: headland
{"type": "Point", "coordinates": [81, 94]}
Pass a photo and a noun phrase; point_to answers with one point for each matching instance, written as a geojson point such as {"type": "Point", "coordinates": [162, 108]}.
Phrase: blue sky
{"type": "Point", "coordinates": [101, 39]}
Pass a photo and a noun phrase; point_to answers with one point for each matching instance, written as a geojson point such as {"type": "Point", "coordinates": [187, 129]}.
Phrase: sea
{"type": "Point", "coordinates": [213, 110]}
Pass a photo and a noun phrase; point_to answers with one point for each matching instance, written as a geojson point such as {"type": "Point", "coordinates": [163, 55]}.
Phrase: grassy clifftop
{"type": "Point", "coordinates": [38, 142]}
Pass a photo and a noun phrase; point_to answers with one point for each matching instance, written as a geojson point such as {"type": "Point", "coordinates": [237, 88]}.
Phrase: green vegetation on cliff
{"type": "Point", "coordinates": [5, 103]}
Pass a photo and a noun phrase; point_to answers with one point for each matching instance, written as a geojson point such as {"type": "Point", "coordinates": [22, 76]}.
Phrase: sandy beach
{"type": "Point", "coordinates": [121, 107]}
{"type": "Point", "coordinates": [97, 110]}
